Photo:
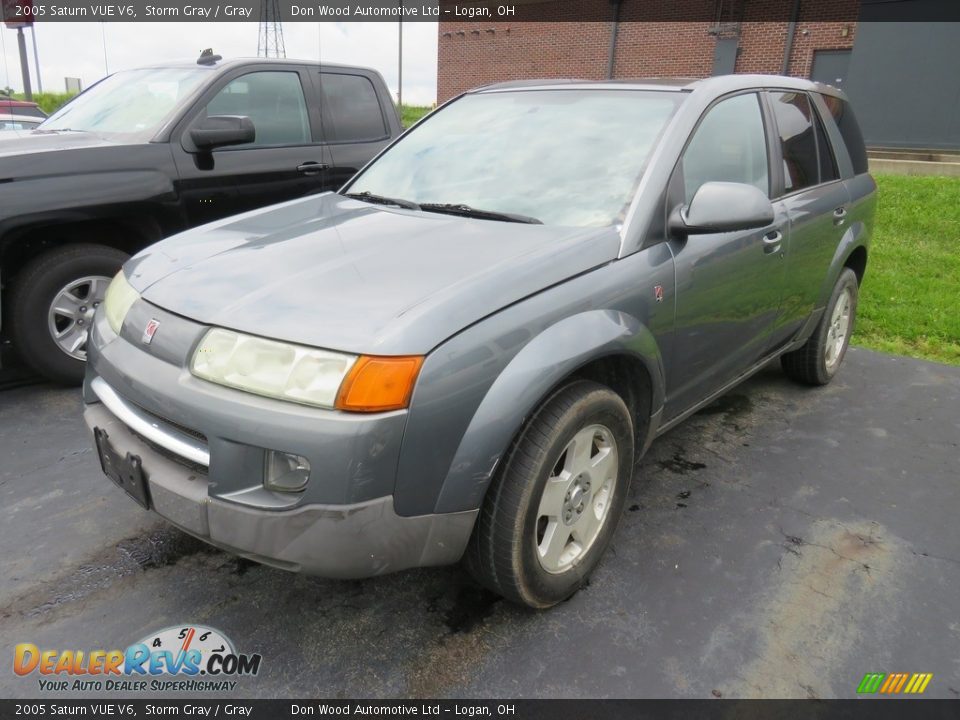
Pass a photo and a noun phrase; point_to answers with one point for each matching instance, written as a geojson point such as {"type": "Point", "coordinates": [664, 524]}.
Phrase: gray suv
{"type": "Point", "coordinates": [463, 352]}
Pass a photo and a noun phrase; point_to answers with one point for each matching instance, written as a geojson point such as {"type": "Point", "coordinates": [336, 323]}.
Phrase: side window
{"type": "Point", "coordinates": [729, 145]}
{"type": "Point", "coordinates": [798, 145]}
{"type": "Point", "coordinates": [849, 130]}
{"type": "Point", "coordinates": [273, 101]}
{"type": "Point", "coordinates": [828, 164]}
{"type": "Point", "coordinates": [353, 107]}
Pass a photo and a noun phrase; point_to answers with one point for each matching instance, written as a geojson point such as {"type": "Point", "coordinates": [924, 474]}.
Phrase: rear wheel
{"type": "Point", "coordinates": [52, 303]}
{"type": "Point", "coordinates": [556, 500]}
{"type": "Point", "coordinates": [819, 359]}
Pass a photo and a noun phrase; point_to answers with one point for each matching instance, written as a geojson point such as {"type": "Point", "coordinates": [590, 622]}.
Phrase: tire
{"type": "Point", "coordinates": [820, 358]}
{"type": "Point", "coordinates": [511, 552]}
{"type": "Point", "coordinates": [33, 321]}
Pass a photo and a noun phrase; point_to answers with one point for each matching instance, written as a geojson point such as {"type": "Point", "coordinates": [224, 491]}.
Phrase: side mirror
{"type": "Point", "coordinates": [222, 130]}
{"type": "Point", "coordinates": [722, 207]}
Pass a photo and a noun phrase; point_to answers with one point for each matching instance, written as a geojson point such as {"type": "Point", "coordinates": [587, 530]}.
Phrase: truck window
{"type": "Point", "coordinates": [353, 106]}
{"type": "Point", "coordinates": [728, 146]}
{"type": "Point", "coordinates": [794, 116]}
{"type": "Point", "coordinates": [275, 103]}
{"type": "Point", "coordinates": [843, 115]}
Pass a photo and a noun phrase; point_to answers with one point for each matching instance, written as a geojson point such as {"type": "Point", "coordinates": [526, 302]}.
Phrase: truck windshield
{"type": "Point", "coordinates": [562, 157]}
{"type": "Point", "coordinates": [132, 102]}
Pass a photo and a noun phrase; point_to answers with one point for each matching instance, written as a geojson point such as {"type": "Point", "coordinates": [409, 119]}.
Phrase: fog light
{"type": "Point", "coordinates": [285, 472]}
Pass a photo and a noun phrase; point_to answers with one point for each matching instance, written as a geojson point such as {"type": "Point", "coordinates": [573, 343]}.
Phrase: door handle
{"type": "Point", "coordinates": [839, 215]}
{"type": "Point", "coordinates": [312, 168]}
{"type": "Point", "coordinates": [771, 241]}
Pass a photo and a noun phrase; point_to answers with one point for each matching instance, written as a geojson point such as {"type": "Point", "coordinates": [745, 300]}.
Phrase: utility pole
{"type": "Point", "coordinates": [36, 57]}
{"type": "Point", "coordinates": [24, 66]}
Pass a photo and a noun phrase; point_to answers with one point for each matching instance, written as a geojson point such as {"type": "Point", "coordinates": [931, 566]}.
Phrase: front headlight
{"type": "Point", "coordinates": [119, 298]}
{"type": "Point", "coordinates": [267, 367]}
{"type": "Point", "coordinates": [306, 375]}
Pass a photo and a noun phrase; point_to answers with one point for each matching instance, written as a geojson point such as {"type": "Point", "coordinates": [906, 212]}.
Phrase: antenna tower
{"type": "Point", "coordinates": [270, 38]}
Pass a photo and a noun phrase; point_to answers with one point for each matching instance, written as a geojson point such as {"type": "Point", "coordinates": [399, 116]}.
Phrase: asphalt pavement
{"type": "Point", "coordinates": [781, 543]}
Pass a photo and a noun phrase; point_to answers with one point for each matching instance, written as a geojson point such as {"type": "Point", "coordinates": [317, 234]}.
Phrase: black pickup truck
{"type": "Point", "coordinates": [147, 153]}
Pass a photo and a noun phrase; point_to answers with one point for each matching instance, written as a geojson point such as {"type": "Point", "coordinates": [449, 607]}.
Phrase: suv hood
{"type": "Point", "coordinates": [332, 272]}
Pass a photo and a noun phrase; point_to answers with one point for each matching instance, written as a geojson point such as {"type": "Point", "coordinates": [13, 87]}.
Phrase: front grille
{"type": "Point", "coordinates": [184, 445]}
{"type": "Point", "coordinates": [160, 450]}
{"type": "Point", "coordinates": [175, 425]}
{"type": "Point", "coordinates": [170, 455]}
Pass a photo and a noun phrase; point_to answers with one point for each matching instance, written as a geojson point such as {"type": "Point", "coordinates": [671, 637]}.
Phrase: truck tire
{"type": "Point", "coordinates": [52, 301]}
{"type": "Point", "coordinates": [819, 359]}
{"type": "Point", "coordinates": [556, 499]}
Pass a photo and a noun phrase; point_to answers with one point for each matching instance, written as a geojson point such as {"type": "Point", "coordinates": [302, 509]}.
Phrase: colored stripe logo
{"type": "Point", "coordinates": [894, 683]}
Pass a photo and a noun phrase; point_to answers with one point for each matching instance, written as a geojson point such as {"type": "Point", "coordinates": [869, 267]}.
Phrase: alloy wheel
{"type": "Point", "coordinates": [576, 498]}
{"type": "Point", "coordinates": [71, 313]}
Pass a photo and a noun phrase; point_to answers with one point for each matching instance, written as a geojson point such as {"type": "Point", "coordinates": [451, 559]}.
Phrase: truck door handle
{"type": "Point", "coordinates": [771, 241]}
{"type": "Point", "coordinates": [312, 168]}
{"type": "Point", "coordinates": [839, 215]}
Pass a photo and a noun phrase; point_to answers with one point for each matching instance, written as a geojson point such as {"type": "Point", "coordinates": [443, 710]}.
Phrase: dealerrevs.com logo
{"type": "Point", "coordinates": [186, 658]}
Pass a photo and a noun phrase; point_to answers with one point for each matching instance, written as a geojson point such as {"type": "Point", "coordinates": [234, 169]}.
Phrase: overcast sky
{"type": "Point", "coordinates": [76, 49]}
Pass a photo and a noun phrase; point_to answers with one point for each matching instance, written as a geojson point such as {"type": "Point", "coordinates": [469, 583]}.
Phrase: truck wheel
{"type": "Point", "coordinates": [819, 359]}
{"type": "Point", "coordinates": [52, 302]}
{"type": "Point", "coordinates": [557, 498]}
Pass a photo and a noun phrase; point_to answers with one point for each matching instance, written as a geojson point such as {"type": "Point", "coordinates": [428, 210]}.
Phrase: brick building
{"type": "Point", "coordinates": [732, 37]}
{"type": "Point", "coordinates": [896, 60]}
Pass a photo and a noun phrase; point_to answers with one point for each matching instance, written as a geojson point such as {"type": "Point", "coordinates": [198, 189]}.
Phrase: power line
{"type": "Point", "coordinates": [103, 34]}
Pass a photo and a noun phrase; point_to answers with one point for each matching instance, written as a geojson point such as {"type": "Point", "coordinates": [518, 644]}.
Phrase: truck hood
{"type": "Point", "coordinates": [27, 143]}
{"type": "Point", "coordinates": [332, 272]}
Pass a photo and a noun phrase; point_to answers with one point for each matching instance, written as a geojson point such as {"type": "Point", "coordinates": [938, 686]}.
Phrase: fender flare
{"type": "Point", "coordinates": [134, 198]}
{"type": "Point", "coordinates": [527, 379]}
{"type": "Point", "coordinates": [853, 238]}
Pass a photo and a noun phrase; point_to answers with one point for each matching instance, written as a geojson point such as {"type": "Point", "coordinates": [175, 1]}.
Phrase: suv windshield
{"type": "Point", "coordinates": [132, 102]}
{"type": "Point", "coordinates": [563, 157]}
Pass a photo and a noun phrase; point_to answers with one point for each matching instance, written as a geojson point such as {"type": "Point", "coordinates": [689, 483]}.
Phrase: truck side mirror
{"type": "Point", "coordinates": [222, 130]}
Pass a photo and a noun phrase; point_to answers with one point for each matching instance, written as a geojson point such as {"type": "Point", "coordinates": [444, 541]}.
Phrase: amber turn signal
{"type": "Point", "coordinates": [378, 384]}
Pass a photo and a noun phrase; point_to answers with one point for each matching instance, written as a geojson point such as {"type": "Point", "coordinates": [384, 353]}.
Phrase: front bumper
{"type": "Point", "coordinates": [340, 541]}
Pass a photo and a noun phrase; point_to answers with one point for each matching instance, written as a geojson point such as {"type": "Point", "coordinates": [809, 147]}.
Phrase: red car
{"type": "Point", "coordinates": [20, 107]}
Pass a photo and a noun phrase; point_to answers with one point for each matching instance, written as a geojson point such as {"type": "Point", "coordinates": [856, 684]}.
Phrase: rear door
{"type": "Point", "coordinates": [288, 159]}
{"type": "Point", "coordinates": [807, 182]}
{"type": "Point", "coordinates": [729, 285]}
{"type": "Point", "coordinates": [358, 118]}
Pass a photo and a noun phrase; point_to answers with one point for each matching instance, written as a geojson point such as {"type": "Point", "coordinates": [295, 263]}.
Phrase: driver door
{"type": "Point", "coordinates": [287, 160]}
{"type": "Point", "coordinates": [728, 285]}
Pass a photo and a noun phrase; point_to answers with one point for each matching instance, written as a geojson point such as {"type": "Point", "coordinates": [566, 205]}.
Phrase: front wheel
{"type": "Point", "coordinates": [819, 359]}
{"type": "Point", "coordinates": [557, 498]}
{"type": "Point", "coordinates": [52, 302]}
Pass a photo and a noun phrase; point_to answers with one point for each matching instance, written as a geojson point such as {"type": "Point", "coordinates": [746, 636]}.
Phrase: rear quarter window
{"type": "Point", "coordinates": [842, 114]}
{"type": "Point", "coordinates": [798, 145]}
{"type": "Point", "coordinates": [353, 106]}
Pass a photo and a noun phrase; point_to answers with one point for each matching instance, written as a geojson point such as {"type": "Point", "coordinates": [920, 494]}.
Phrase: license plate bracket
{"type": "Point", "coordinates": [124, 471]}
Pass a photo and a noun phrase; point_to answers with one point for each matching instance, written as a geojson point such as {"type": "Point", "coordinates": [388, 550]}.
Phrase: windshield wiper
{"type": "Point", "coordinates": [467, 211]}
{"type": "Point", "coordinates": [368, 196]}
{"type": "Point", "coordinates": [57, 130]}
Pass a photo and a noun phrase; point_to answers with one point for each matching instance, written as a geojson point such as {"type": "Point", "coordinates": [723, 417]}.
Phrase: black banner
{"type": "Point", "coordinates": [470, 709]}
{"type": "Point", "coordinates": [467, 11]}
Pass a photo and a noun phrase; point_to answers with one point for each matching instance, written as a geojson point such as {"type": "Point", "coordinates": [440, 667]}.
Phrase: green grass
{"type": "Point", "coordinates": [48, 101]}
{"type": "Point", "coordinates": [910, 299]}
{"type": "Point", "coordinates": [409, 114]}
